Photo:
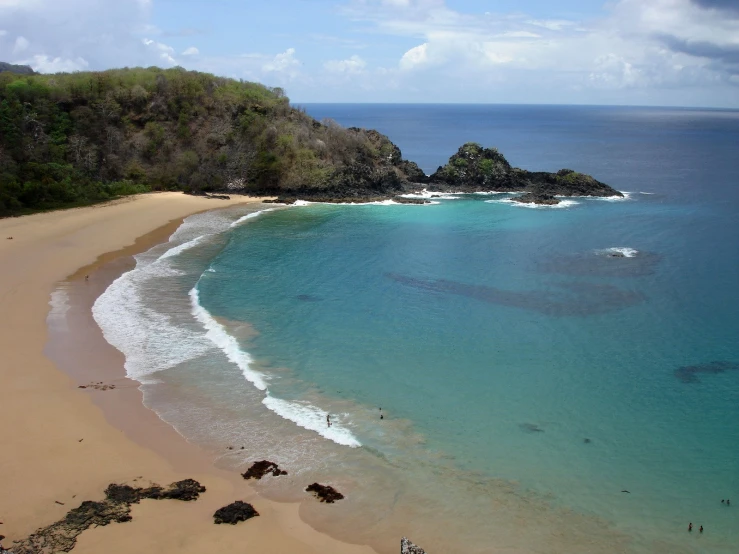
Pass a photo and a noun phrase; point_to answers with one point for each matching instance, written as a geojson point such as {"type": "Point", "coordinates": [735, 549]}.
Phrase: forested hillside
{"type": "Point", "coordinates": [73, 139]}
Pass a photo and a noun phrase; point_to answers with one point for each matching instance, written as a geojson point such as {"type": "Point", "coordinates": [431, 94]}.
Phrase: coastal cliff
{"type": "Point", "coordinates": [76, 139]}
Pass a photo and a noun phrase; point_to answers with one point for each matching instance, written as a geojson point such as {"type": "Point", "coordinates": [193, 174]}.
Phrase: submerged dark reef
{"type": "Point", "coordinates": [571, 299]}
{"type": "Point", "coordinates": [689, 373]}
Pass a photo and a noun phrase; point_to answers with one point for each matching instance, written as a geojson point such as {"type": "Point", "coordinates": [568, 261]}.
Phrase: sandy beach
{"type": "Point", "coordinates": [59, 447]}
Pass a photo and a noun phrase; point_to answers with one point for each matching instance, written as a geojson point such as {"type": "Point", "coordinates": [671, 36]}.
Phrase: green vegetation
{"type": "Point", "coordinates": [475, 167]}
{"type": "Point", "coordinates": [80, 138]}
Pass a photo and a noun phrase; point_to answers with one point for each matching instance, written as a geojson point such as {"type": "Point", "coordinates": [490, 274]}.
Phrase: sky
{"type": "Point", "coordinates": [615, 52]}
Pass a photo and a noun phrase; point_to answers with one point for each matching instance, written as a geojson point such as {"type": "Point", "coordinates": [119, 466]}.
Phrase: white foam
{"type": "Point", "coordinates": [625, 251]}
{"type": "Point", "coordinates": [247, 217]}
{"type": "Point", "coordinates": [626, 196]}
{"type": "Point", "coordinates": [304, 414]}
{"type": "Point", "coordinates": [428, 195]}
{"type": "Point", "coordinates": [562, 204]}
{"type": "Point", "coordinates": [153, 340]}
{"type": "Point", "coordinates": [217, 334]}
{"type": "Point", "coordinates": [148, 339]}
{"type": "Point", "coordinates": [59, 302]}
{"type": "Point", "coordinates": [308, 416]}
{"type": "Point", "coordinates": [183, 247]}
{"type": "Point", "coordinates": [388, 202]}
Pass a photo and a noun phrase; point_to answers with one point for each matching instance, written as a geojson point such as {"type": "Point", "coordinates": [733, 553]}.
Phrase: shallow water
{"type": "Point", "coordinates": [526, 377]}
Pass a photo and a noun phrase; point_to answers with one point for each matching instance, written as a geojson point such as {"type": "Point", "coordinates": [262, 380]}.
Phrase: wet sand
{"type": "Point", "coordinates": [64, 444]}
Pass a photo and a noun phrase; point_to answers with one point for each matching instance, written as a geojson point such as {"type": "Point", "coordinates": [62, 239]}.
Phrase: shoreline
{"type": "Point", "coordinates": [121, 438]}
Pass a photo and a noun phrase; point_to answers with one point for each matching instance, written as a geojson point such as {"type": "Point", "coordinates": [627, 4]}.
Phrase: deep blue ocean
{"type": "Point", "coordinates": [537, 393]}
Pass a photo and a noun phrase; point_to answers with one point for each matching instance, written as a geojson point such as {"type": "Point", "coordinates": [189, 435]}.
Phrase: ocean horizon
{"type": "Point", "coordinates": [558, 378]}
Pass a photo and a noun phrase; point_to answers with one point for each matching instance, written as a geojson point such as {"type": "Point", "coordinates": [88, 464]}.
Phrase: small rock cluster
{"type": "Point", "coordinates": [262, 468]}
{"type": "Point", "coordinates": [325, 493]}
{"type": "Point", "coordinates": [234, 513]}
{"type": "Point", "coordinates": [97, 386]}
{"type": "Point", "coordinates": [407, 547]}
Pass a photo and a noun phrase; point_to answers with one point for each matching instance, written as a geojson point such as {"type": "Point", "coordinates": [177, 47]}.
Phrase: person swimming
{"type": "Point", "coordinates": [690, 526]}
{"type": "Point", "coordinates": [701, 529]}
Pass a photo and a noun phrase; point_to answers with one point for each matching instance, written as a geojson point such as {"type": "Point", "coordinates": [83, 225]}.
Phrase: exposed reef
{"type": "Point", "coordinates": [536, 198]}
{"type": "Point", "coordinates": [234, 513]}
{"type": "Point", "coordinates": [262, 468]}
{"type": "Point", "coordinates": [116, 508]}
{"type": "Point", "coordinates": [325, 493]}
{"type": "Point", "coordinates": [611, 262]}
{"type": "Point", "coordinates": [689, 373]}
{"type": "Point", "coordinates": [477, 169]}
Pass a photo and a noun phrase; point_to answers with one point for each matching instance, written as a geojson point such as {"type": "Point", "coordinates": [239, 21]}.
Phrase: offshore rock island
{"type": "Point", "coordinates": [477, 169]}
{"type": "Point", "coordinates": [75, 139]}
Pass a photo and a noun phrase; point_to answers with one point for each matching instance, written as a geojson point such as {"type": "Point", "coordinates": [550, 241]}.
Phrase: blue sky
{"type": "Point", "coordinates": [633, 52]}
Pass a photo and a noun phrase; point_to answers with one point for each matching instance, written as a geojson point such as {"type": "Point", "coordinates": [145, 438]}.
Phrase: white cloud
{"type": "Point", "coordinates": [551, 24]}
{"type": "Point", "coordinates": [656, 45]}
{"type": "Point", "coordinates": [45, 64]}
{"type": "Point", "coordinates": [192, 51]}
{"type": "Point", "coordinates": [283, 63]}
{"type": "Point", "coordinates": [21, 45]}
{"type": "Point", "coordinates": [99, 32]}
{"type": "Point", "coordinates": [415, 57]}
{"type": "Point", "coordinates": [355, 64]}
{"type": "Point", "coordinates": [165, 51]}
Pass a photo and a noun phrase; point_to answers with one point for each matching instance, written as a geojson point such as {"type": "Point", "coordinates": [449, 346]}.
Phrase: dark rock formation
{"type": "Point", "coordinates": [62, 535]}
{"type": "Point", "coordinates": [407, 547]}
{"type": "Point", "coordinates": [536, 198]}
{"type": "Point", "coordinates": [477, 169]}
{"type": "Point", "coordinates": [262, 468]}
{"type": "Point", "coordinates": [325, 493]}
{"type": "Point", "coordinates": [186, 491]}
{"type": "Point", "coordinates": [234, 513]}
{"type": "Point", "coordinates": [20, 69]}
{"type": "Point", "coordinates": [689, 373]}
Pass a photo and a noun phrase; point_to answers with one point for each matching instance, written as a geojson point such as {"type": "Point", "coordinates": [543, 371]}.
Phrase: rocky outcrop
{"type": "Point", "coordinates": [536, 198]}
{"type": "Point", "coordinates": [186, 490]}
{"type": "Point", "coordinates": [407, 547]}
{"type": "Point", "coordinates": [477, 169]}
{"type": "Point", "coordinates": [116, 508]}
{"type": "Point", "coordinates": [325, 493]}
{"type": "Point", "coordinates": [234, 513]}
{"type": "Point", "coordinates": [262, 468]}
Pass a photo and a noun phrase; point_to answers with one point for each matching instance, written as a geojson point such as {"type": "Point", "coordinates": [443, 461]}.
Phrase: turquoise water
{"type": "Point", "coordinates": [504, 344]}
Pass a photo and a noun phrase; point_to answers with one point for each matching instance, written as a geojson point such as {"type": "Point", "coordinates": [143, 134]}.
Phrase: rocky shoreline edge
{"type": "Point", "coordinates": [61, 536]}
{"type": "Point", "coordinates": [472, 169]}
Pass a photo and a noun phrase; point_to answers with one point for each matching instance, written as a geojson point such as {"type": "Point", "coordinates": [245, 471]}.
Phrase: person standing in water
{"type": "Point", "coordinates": [701, 529]}
{"type": "Point", "coordinates": [690, 526]}
{"type": "Point", "coordinates": [328, 420]}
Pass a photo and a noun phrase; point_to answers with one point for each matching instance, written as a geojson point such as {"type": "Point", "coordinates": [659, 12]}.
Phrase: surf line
{"type": "Point", "coordinates": [303, 414]}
